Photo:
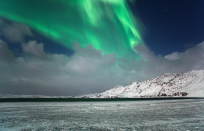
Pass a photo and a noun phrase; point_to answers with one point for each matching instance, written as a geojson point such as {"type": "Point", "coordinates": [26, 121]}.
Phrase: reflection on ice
{"type": "Point", "coordinates": [139, 115]}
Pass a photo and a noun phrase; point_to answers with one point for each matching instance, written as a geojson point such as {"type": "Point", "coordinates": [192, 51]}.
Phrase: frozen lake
{"type": "Point", "coordinates": [138, 115]}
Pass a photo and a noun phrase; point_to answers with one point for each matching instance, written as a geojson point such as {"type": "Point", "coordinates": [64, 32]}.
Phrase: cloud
{"type": "Point", "coordinates": [89, 61]}
{"type": "Point", "coordinates": [173, 56]}
{"type": "Point", "coordinates": [34, 49]}
{"type": "Point", "coordinates": [14, 31]}
{"type": "Point", "coordinates": [5, 53]}
{"type": "Point", "coordinates": [86, 71]}
{"type": "Point", "coordinates": [177, 62]}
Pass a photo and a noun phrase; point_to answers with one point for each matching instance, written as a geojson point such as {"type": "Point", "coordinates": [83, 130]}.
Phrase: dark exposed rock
{"type": "Point", "coordinates": [183, 93]}
{"type": "Point", "coordinates": [98, 96]}
{"type": "Point", "coordinates": [163, 94]}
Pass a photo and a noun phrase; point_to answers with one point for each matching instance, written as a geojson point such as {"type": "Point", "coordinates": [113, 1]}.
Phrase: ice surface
{"type": "Point", "coordinates": [138, 115]}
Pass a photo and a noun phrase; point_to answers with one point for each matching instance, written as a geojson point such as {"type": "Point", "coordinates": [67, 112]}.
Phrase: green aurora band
{"type": "Point", "coordinates": [108, 25]}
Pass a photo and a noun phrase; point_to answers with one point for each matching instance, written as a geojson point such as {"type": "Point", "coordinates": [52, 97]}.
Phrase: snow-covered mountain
{"type": "Point", "coordinates": [189, 84]}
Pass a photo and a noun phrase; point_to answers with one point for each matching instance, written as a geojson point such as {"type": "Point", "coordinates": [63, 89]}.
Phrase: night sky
{"type": "Point", "coordinates": [171, 25]}
{"type": "Point", "coordinates": [75, 47]}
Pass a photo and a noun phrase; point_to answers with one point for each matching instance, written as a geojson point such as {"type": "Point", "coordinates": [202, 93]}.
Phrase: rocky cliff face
{"type": "Point", "coordinates": [189, 84]}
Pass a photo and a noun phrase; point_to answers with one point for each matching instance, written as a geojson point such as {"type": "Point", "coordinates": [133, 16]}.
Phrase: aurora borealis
{"type": "Point", "coordinates": [108, 25]}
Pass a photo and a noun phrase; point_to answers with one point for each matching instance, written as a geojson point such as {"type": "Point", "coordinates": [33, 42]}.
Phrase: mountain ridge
{"type": "Point", "coordinates": [190, 84]}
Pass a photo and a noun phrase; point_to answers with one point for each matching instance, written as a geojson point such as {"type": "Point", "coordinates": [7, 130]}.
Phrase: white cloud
{"type": "Point", "coordinates": [34, 49]}
{"type": "Point", "coordinates": [83, 72]}
{"type": "Point", "coordinates": [5, 53]}
{"type": "Point", "coordinates": [192, 58]}
{"type": "Point", "coordinates": [87, 71]}
{"type": "Point", "coordinates": [173, 56]}
{"type": "Point", "coordinates": [14, 31]}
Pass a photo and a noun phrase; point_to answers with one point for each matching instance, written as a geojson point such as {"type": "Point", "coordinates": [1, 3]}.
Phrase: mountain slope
{"type": "Point", "coordinates": [189, 84]}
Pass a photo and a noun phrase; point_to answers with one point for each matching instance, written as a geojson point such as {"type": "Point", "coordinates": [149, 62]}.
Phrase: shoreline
{"type": "Point", "coordinates": [92, 99]}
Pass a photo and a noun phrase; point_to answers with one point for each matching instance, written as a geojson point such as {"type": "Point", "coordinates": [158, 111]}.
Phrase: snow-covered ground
{"type": "Point", "coordinates": [138, 115]}
{"type": "Point", "coordinates": [189, 84]}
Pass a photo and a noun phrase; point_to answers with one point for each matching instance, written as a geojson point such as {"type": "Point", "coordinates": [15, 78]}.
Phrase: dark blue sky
{"type": "Point", "coordinates": [171, 25]}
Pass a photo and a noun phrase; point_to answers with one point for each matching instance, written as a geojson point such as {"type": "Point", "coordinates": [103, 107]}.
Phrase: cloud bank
{"type": "Point", "coordinates": [87, 71]}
